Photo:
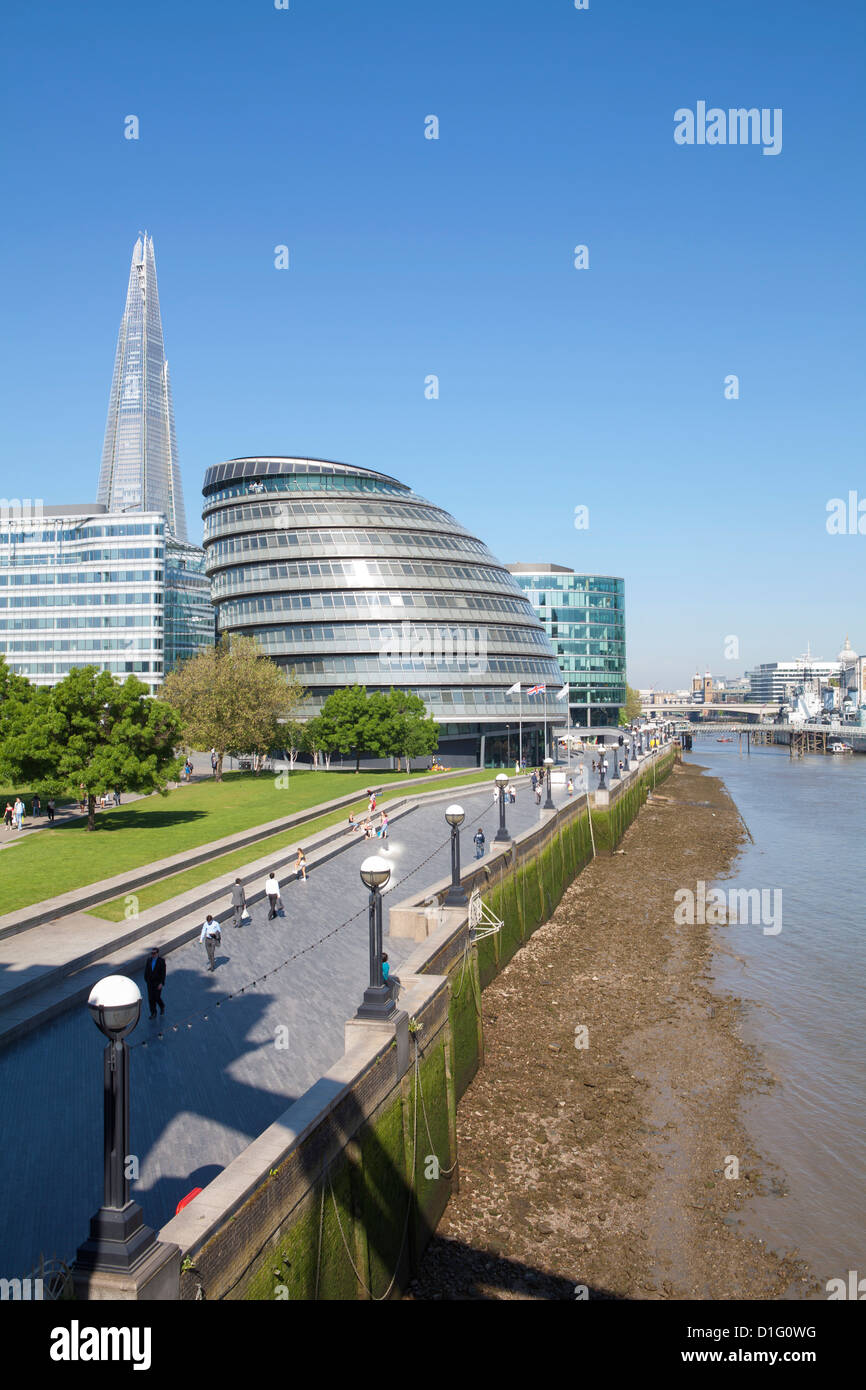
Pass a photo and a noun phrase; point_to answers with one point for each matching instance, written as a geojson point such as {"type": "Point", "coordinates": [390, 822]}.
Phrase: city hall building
{"type": "Point", "coordinates": [346, 576]}
{"type": "Point", "coordinates": [584, 617]}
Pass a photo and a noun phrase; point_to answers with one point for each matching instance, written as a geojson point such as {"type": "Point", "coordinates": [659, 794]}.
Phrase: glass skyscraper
{"type": "Point", "coordinates": [345, 575]}
{"type": "Point", "coordinates": [140, 470]}
{"type": "Point", "coordinates": [584, 617]}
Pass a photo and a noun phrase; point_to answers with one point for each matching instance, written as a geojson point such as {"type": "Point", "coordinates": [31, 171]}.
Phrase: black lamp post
{"type": "Point", "coordinates": [602, 767]}
{"type": "Point", "coordinates": [502, 783]}
{"type": "Point", "coordinates": [548, 766]}
{"type": "Point", "coordinates": [378, 1001]}
{"type": "Point", "coordinates": [118, 1238]}
{"type": "Point", "coordinates": [456, 896]}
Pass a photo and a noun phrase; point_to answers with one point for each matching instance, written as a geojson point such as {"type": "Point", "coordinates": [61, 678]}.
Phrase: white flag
{"type": "Point", "coordinates": [513, 689]}
{"type": "Point", "coordinates": [561, 694]}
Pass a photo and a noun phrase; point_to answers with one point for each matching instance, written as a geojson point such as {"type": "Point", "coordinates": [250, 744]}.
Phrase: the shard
{"type": "Point", "coordinates": [140, 470]}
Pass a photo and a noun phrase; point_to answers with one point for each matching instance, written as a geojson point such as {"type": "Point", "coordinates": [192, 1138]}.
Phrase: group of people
{"type": "Point", "coordinates": [380, 831]}
{"type": "Point", "coordinates": [16, 811]}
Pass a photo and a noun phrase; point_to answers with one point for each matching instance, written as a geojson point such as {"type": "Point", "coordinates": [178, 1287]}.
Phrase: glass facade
{"type": "Point", "coordinates": [83, 588]}
{"type": "Point", "coordinates": [584, 617]}
{"type": "Point", "coordinates": [190, 619]}
{"type": "Point", "coordinates": [140, 468]}
{"type": "Point", "coordinates": [345, 575]}
{"type": "Point", "coordinates": [135, 603]}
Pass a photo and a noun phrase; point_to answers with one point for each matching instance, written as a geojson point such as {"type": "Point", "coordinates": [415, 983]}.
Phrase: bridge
{"type": "Point", "coordinates": [751, 711]}
{"type": "Point", "coordinates": [799, 738]}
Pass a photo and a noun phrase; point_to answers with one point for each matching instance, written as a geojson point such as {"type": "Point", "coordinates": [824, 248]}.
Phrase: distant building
{"type": "Point", "coordinates": [584, 617]}
{"type": "Point", "coordinates": [140, 468]}
{"type": "Point", "coordinates": [775, 681]}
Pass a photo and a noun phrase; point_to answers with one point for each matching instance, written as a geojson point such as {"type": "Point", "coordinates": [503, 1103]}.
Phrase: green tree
{"type": "Point", "coordinates": [632, 707]}
{"type": "Point", "coordinates": [15, 691]}
{"type": "Point", "coordinates": [89, 735]}
{"type": "Point", "coordinates": [344, 724]}
{"type": "Point", "coordinates": [407, 730]}
{"type": "Point", "coordinates": [233, 698]}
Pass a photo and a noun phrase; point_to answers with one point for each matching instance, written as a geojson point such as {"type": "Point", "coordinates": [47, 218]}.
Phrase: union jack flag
{"type": "Point", "coordinates": [536, 689]}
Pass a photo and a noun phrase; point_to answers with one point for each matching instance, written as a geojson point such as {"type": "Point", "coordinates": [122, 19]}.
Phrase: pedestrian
{"type": "Point", "coordinates": [534, 780]}
{"type": "Point", "coordinates": [538, 793]}
{"type": "Point", "coordinates": [371, 804]}
{"type": "Point", "coordinates": [154, 978]}
{"type": "Point", "coordinates": [383, 827]}
{"type": "Point", "coordinates": [213, 761]}
{"type": "Point", "coordinates": [353, 824]}
{"type": "Point", "coordinates": [212, 937]}
{"type": "Point", "coordinates": [117, 798]}
{"type": "Point", "coordinates": [511, 793]}
{"type": "Point", "coordinates": [36, 807]}
{"type": "Point", "coordinates": [49, 806]}
{"type": "Point", "coordinates": [272, 890]}
{"type": "Point", "coordinates": [368, 829]}
{"type": "Point", "coordinates": [570, 787]}
{"type": "Point", "coordinates": [301, 866]}
{"type": "Point", "coordinates": [8, 814]}
{"type": "Point", "coordinates": [478, 837]}
{"type": "Point", "coordinates": [19, 812]}
{"type": "Point", "coordinates": [239, 902]}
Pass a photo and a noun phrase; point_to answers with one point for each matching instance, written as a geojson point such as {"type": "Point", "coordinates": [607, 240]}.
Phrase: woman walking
{"type": "Point", "coordinates": [301, 866]}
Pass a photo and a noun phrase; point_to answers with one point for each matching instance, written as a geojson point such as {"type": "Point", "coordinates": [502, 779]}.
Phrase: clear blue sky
{"type": "Point", "coordinates": [558, 387]}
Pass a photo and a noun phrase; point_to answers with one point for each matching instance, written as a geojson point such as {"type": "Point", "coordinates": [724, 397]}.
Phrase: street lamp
{"type": "Point", "coordinates": [502, 783]}
{"type": "Point", "coordinates": [602, 767]}
{"type": "Point", "coordinates": [548, 805]}
{"type": "Point", "coordinates": [456, 896]}
{"type": "Point", "coordinates": [118, 1237]}
{"type": "Point", "coordinates": [614, 776]}
{"type": "Point", "coordinates": [378, 1002]}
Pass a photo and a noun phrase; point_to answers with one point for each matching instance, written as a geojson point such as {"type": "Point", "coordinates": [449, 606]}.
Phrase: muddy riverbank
{"type": "Point", "coordinates": [602, 1166]}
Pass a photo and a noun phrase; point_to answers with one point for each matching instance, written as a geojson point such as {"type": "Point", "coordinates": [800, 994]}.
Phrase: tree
{"type": "Point", "coordinates": [232, 698]}
{"type": "Point", "coordinates": [15, 691]}
{"type": "Point", "coordinates": [407, 732]}
{"type": "Point", "coordinates": [294, 738]}
{"type": "Point", "coordinates": [89, 735]}
{"type": "Point", "coordinates": [632, 707]}
{"type": "Point", "coordinates": [344, 722]}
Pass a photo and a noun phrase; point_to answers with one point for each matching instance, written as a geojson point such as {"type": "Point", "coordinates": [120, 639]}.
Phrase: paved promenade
{"type": "Point", "coordinates": [203, 1092]}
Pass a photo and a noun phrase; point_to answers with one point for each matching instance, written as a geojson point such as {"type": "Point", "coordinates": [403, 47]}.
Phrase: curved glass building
{"type": "Point", "coordinates": [348, 576]}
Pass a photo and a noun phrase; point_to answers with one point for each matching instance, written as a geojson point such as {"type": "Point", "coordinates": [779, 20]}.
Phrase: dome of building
{"type": "Point", "coordinates": [346, 575]}
{"type": "Point", "coordinates": [847, 656]}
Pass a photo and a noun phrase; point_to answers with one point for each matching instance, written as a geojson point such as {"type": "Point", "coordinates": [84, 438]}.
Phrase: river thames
{"type": "Point", "coordinates": [804, 1004]}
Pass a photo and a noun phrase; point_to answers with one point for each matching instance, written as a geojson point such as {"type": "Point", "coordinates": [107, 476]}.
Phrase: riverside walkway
{"type": "Point", "coordinates": [218, 1075]}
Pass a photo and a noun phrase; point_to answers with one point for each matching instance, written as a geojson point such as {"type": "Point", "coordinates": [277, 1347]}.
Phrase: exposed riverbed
{"type": "Point", "coordinates": [604, 1167]}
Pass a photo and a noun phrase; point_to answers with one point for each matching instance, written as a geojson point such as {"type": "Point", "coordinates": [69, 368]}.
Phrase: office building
{"type": "Point", "coordinates": [140, 469]}
{"type": "Point", "coordinates": [584, 618]}
{"type": "Point", "coordinates": [345, 575]}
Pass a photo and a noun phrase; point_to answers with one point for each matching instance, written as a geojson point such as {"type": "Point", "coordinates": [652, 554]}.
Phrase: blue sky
{"type": "Point", "coordinates": [409, 257]}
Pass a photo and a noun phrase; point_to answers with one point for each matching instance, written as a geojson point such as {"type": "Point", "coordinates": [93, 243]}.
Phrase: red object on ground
{"type": "Point", "coordinates": [184, 1201]}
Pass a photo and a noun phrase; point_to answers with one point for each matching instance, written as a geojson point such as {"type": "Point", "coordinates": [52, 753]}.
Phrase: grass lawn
{"type": "Point", "coordinates": [69, 856]}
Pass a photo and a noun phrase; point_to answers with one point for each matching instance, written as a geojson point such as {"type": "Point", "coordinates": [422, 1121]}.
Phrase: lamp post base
{"type": "Point", "coordinates": [154, 1277]}
{"type": "Point", "coordinates": [118, 1240]}
{"type": "Point", "coordinates": [455, 897]}
{"type": "Point", "coordinates": [378, 1003]}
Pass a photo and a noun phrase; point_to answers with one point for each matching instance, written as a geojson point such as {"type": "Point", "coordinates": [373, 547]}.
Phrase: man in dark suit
{"type": "Point", "coordinates": [154, 978]}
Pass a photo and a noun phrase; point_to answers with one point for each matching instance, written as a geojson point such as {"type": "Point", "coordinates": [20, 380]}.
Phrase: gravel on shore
{"type": "Point", "coordinates": [593, 1164]}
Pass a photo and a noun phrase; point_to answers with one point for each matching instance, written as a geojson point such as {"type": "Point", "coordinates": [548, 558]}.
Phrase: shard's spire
{"type": "Point", "coordinates": [140, 470]}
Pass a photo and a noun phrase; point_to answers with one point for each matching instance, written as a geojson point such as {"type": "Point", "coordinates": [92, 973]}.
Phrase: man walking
{"type": "Point", "coordinates": [154, 978]}
{"type": "Point", "coordinates": [49, 806]}
{"type": "Point", "coordinates": [19, 811]}
{"type": "Point", "coordinates": [239, 901]}
{"type": "Point", "coordinates": [272, 890]}
{"type": "Point", "coordinates": [211, 936]}
{"type": "Point", "coordinates": [478, 837]}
